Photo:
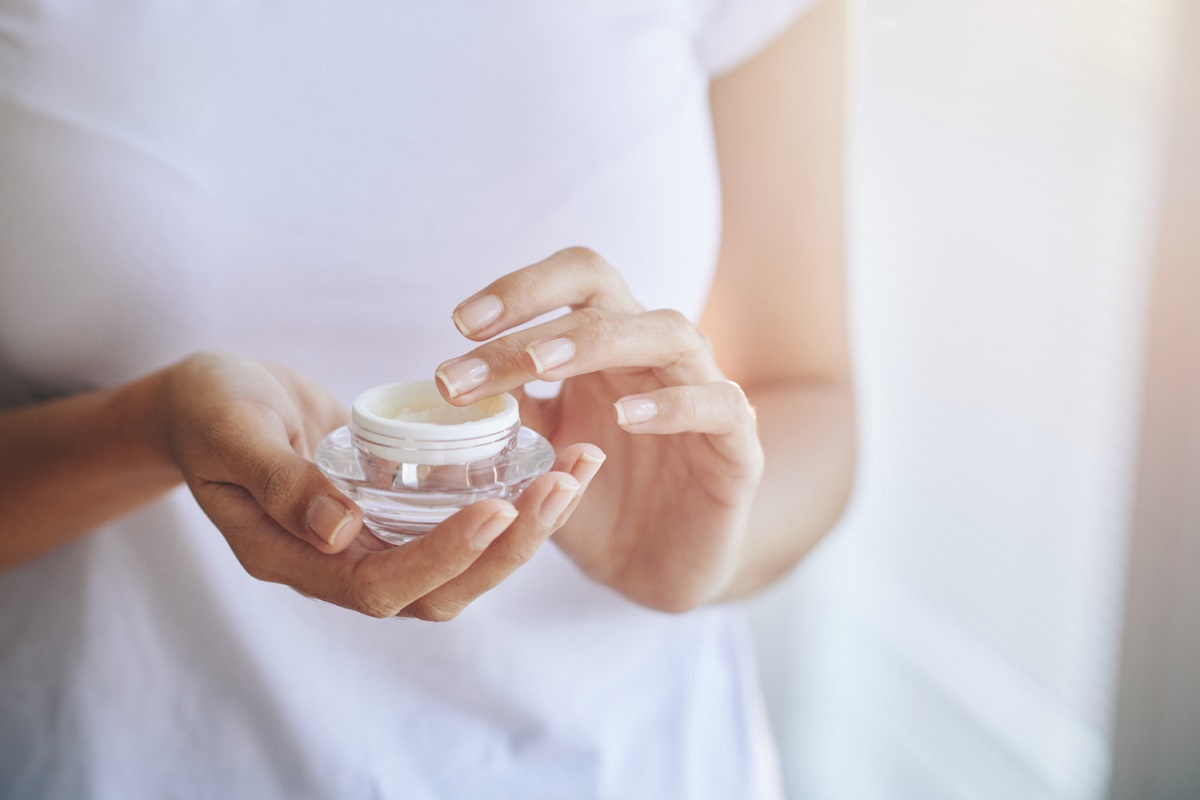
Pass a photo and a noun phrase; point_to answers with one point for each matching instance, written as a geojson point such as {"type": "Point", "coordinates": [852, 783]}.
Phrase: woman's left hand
{"type": "Point", "coordinates": [663, 522]}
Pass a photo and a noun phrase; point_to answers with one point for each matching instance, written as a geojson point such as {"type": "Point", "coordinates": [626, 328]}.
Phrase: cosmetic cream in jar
{"type": "Point", "coordinates": [410, 459]}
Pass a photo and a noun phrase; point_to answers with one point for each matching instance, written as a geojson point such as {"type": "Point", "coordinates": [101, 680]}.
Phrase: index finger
{"type": "Point", "coordinates": [576, 277]}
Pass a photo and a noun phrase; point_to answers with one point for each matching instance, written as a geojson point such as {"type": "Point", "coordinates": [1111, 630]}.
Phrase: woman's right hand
{"type": "Point", "coordinates": [242, 434]}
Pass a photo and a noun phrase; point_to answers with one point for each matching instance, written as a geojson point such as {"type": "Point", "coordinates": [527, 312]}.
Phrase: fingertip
{"type": "Point", "coordinates": [563, 489]}
{"type": "Point", "coordinates": [547, 356]}
{"type": "Point", "coordinates": [497, 522]}
{"type": "Point", "coordinates": [441, 386]}
{"type": "Point", "coordinates": [334, 521]}
{"type": "Point", "coordinates": [474, 336]}
{"type": "Point", "coordinates": [458, 323]}
{"type": "Point", "coordinates": [475, 316]}
{"type": "Point", "coordinates": [444, 386]}
{"type": "Point", "coordinates": [348, 533]}
{"type": "Point", "coordinates": [592, 454]}
{"type": "Point", "coordinates": [582, 461]}
{"type": "Point", "coordinates": [634, 411]}
{"type": "Point", "coordinates": [561, 479]}
{"type": "Point", "coordinates": [449, 393]}
{"type": "Point", "coordinates": [537, 492]}
{"type": "Point", "coordinates": [459, 377]}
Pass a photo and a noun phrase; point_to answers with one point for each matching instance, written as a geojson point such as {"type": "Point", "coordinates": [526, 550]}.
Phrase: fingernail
{"type": "Point", "coordinates": [557, 501]}
{"type": "Point", "coordinates": [635, 410]}
{"type": "Point", "coordinates": [478, 314]}
{"type": "Point", "coordinates": [550, 354]}
{"type": "Point", "coordinates": [460, 377]}
{"type": "Point", "coordinates": [327, 517]}
{"type": "Point", "coordinates": [495, 525]}
{"type": "Point", "coordinates": [587, 466]}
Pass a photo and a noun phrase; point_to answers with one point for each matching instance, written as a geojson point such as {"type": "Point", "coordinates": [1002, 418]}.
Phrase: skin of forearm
{"type": "Point", "coordinates": [74, 464]}
{"type": "Point", "coordinates": [808, 436]}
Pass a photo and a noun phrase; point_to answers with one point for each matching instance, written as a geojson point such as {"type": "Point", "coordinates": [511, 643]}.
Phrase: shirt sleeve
{"type": "Point", "coordinates": [734, 31]}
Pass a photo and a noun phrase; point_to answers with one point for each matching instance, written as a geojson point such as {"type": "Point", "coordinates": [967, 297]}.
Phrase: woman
{"type": "Point", "coordinates": [305, 194]}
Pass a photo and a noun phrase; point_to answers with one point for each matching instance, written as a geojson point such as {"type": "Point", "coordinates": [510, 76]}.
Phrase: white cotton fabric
{"type": "Point", "coordinates": [732, 31]}
{"type": "Point", "coordinates": [319, 184]}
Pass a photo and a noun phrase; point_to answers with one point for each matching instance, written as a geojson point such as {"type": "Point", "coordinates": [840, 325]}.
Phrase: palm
{"type": "Point", "coordinates": [665, 509]}
{"type": "Point", "coordinates": [664, 518]}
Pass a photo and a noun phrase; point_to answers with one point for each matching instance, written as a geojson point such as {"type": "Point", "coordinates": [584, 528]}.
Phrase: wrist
{"type": "Point", "coordinates": [141, 417]}
{"type": "Point", "coordinates": [76, 463]}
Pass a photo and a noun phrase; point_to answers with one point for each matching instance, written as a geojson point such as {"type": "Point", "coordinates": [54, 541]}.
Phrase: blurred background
{"type": "Point", "coordinates": [1009, 609]}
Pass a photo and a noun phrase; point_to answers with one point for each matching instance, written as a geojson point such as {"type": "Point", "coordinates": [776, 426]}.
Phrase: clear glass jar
{"type": "Point", "coordinates": [410, 459]}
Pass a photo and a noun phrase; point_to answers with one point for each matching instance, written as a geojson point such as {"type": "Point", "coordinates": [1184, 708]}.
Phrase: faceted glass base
{"type": "Point", "coordinates": [403, 501]}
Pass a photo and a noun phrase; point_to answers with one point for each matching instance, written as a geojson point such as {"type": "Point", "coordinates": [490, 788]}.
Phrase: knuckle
{"type": "Point", "coordinates": [687, 406]}
{"type": "Point", "coordinates": [522, 283]}
{"type": "Point", "coordinates": [258, 564]}
{"type": "Point", "coordinates": [374, 609]}
{"type": "Point", "coordinates": [672, 318]}
{"type": "Point", "coordinates": [733, 408]}
{"type": "Point", "coordinates": [370, 601]}
{"type": "Point", "coordinates": [675, 600]}
{"type": "Point", "coordinates": [602, 275]}
{"type": "Point", "coordinates": [590, 315]}
{"type": "Point", "coordinates": [503, 356]}
{"type": "Point", "coordinates": [277, 482]}
{"type": "Point", "coordinates": [590, 326]}
{"type": "Point", "coordinates": [738, 403]}
{"type": "Point", "coordinates": [206, 357]}
{"type": "Point", "coordinates": [597, 328]}
{"type": "Point", "coordinates": [734, 395]}
{"type": "Point", "coordinates": [676, 605]}
{"type": "Point", "coordinates": [255, 568]}
{"type": "Point", "coordinates": [433, 610]}
{"type": "Point", "coordinates": [686, 339]}
{"type": "Point", "coordinates": [728, 403]}
{"type": "Point", "coordinates": [585, 257]}
{"type": "Point", "coordinates": [521, 551]}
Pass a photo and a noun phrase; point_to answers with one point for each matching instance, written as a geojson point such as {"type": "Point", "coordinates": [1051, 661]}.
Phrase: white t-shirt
{"type": "Point", "coordinates": [319, 184]}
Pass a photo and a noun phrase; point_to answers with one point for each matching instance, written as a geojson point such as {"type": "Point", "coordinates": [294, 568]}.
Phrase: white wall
{"type": "Point", "coordinates": [958, 636]}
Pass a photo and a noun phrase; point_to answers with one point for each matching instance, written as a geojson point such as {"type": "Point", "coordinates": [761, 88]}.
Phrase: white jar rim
{"type": "Point", "coordinates": [410, 422]}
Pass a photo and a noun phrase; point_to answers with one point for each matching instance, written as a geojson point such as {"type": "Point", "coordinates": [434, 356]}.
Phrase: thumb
{"type": "Point", "coordinates": [301, 499]}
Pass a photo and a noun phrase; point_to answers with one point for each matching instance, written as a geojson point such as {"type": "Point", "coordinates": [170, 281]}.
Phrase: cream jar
{"type": "Point", "coordinates": [409, 459]}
